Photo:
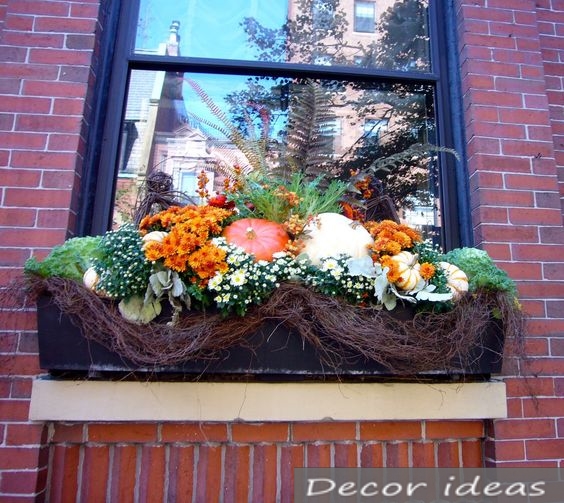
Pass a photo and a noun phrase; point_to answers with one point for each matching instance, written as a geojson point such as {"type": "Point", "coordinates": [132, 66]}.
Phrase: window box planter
{"type": "Point", "coordinates": [274, 352]}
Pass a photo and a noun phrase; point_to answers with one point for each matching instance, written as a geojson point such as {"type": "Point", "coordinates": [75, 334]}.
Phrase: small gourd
{"type": "Point", "coordinates": [408, 269]}
{"type": "Point", "coordinates": [331, 234]}
{"type": "Point", "coordinates": [259, 237]}
{"type": "Point", "coordinates": [457, 281]}
{"type": "Point", "coordinates": [153, 236]}
{"type": "Point", "coordinates": [90, 278]}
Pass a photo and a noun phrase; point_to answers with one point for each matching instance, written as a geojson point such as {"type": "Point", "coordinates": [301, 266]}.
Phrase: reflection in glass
{"type": "Point", "coordinates": [185, 123]}
{"type": "Point", "coordinates": [387, 34]}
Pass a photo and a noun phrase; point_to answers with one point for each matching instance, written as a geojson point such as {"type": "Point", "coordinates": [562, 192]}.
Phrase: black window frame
{"type": "Point", "coordinates": [98, 189]}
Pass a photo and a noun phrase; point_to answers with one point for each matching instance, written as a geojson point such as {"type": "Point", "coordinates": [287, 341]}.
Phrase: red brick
{"type": "Point", "coordinates": [25, 434]}
{"type": "Point", "coordinates": [20, 178]}
{"type": "Point", "coordinates": [68, 107]}
{"type": "Point", "coordinates": [24, 482]}
{"type": "Point", "coordinates": [264, 472]}
{"type": "Point", "coordinates": [54, 89]}
{"type": "Point", "coordinates": [19, 23]}
{"type": "Point", "coordinates": [525, 428]}
{"type": "Point", "coordinates": [25, 104]}
{"type": "Point", "coordinates": [448, 455]}
{"type": "Point", "coordinates": [84, 10]}
{"type": "Point", "coordinates": [38, 7]}
{"type": "Point", "coordinates": [123, 474]}
{"type": "Point", "coordinates": [545, 449]}
{"type": "Point", "coordinates": [517, 272]}
{"type": "Point", "coordinates": [64, 142]}
{"type": "Point", "coordinates": [496, 98]}
{"type": "Point", "coordinates": [95, 474]}
{"type": "Point", "coordinates": [553, 271]}
{"type": "Point", "coordinates": [472, 454]}
{"type": "Point", "coordinates": [30, 39]}
{"type": "Point", "coordinates": [8, 343]}
{"type": "Point", "coordinates": [318, 455]}
{"type": "Point", "coordinates": [544, 407]}
{"type": "Point", "coordinates": [42, 198]}
{"type": "Point", "coordinates": [49, 123]}
{"type": "Point", "coordinates": [509, 233]}
{"type": "Point", "coordinates": [68, 433]}
{"type": "Point", "coordinates": [390, 430]}
{"type": "Point", "coordinates": [236, 474]}
{"type": "Point", "coordinates": [264, 432]}
{"type": "Point", "coordinates": [21, 387]}
{"type": "Point", "coordinates": [423, 455]}
{"type": "Point", "coordinates": [505, 198]}
{"type": "Point", "coordinates": [291, 456]}
{"type": "Point", "coordinates": [544, 367]}
{"type": "Point", "coordinates": [152, 474]}
{"type": "Point", "coordinates": [180, 473]}
{"type": "Point", "coordinates": [63, 476]}
{"type": "Point", "coordinates": [346, 455]}
{"type": "Point", "coordinates": [20, 364]}
{"type": "Point", "coordinates": [64, 25]}
{"type": "Point", "coordinates": [14, 410]}
{"type": "Point", "coordinates": [323, 431]}
{"type": "Point", "coordinates": [525, 252]}
{"type": "Point", "coordinates": [80, 42]}
{"type": "Point", "coordinates": [17, 140]}
{"type": "Point", "coordinates": [54, 219]}
{"type": "Point", "coordinates": [59, 56]}
{"type": "Point", "coordinates": [537, 386]}
{"type": "Point", "coordinates": [453, 429]}
{"type": "Point", "coordinates": [194, 432]}
{"type": "Point", "coordinates": [58, 179]}
{"type": "Point", "coordinates": [17, 217]}
{"type": "Point", "coordinates": [397, 454]}
{"type": "Point", "coordinates": [208, 476]}
{"type": "Point", "coordinates": [122, 432]}
{"type": "Point", "coordinates": [509, 450]}
{"type": "Point", "coordinates": [522, 216]}
{"type": "Point", "coordinates": [19, 458]}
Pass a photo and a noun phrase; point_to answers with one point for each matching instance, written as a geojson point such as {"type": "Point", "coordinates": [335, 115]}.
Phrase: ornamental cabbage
{"type": "Point", "coordinates": [481, 270]}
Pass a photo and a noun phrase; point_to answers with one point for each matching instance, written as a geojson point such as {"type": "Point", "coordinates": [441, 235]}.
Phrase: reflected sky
{"type": "Point", "coordinates": [208, 28]}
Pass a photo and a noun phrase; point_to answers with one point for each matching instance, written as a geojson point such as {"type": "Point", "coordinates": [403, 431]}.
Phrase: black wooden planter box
{"type": "Point", "coordinates": [273, 353]}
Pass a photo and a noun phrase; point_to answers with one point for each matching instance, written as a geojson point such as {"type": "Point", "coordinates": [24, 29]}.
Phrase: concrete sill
{"type": "Point", "coordinates": [91, 401]}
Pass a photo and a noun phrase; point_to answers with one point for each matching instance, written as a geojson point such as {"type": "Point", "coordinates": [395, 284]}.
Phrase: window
{"type": "Point", "coordinates": [186, 72]}
{"type": "Point", "coordinates": [364, 16]}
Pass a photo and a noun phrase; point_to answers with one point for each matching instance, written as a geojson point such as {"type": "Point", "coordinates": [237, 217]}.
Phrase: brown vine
{"type": "Point", "coordinates": [401, 340]}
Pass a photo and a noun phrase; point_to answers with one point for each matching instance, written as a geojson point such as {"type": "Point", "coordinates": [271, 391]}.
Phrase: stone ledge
{"type": "Point", "coordinates": [91, 401]}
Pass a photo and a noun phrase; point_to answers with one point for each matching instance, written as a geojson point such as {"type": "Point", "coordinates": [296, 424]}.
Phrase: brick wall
{"type": "Point", "coordinates": [510, 53]}
{"type": "Point", "coordinates": [241, 461]}
{"type": "Point", "coordinates": [513, 106]}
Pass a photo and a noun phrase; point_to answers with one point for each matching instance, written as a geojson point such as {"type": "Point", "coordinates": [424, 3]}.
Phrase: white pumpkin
{"type": "Point", "coordinates": [457, 281]}
{"type": "Point", "coordinates": [157, 236]}
{"type": "Point", "coordinates": [331, 234]}
{"type": "Point", "coordinates": [408, 268]}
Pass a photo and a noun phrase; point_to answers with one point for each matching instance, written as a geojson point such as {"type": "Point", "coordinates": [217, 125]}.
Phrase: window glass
{"type": "Point", "coordinates": [201, 76]}
{"type": "Point", "coordinates": [182, 123]}
{"type": "Point", "coordinates": [364, 16]}
{"type": "Point", "coordinates": [292, 31]}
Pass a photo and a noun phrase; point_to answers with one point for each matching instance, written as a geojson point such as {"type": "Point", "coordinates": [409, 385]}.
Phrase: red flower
{"type": "Point", "coordinates": [220, 201]}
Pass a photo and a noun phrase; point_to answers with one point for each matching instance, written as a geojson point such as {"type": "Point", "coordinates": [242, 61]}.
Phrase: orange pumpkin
{"type": "Point", "coordinates": [259, 237]}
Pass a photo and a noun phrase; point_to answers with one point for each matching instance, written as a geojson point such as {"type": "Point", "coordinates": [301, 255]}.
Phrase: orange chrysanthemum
{"type": "Point", "coordinates": [427, 270]}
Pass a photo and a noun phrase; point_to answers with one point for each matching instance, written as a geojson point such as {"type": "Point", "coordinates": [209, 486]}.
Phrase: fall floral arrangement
{"type": "Point", "coordinates": [238, 252]}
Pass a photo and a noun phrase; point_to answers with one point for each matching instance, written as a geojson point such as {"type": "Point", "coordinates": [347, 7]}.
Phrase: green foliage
{"type": "Point", "coordinates": [277, 200]}
{"type": "Point", "coordinates": [309, 146]}
{"type": "Point", "coordinates": [68, 260]}
{"type": "Point", "coordinates": [481, 270]}
{"type": "Point", "coordinates": [124, 271]}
